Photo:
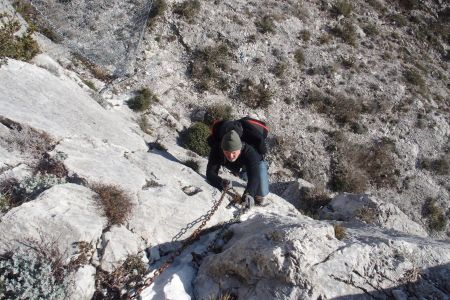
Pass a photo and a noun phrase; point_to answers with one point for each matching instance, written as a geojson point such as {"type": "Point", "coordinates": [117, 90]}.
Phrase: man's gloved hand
{"type": "Point", "coordinates": [226, 184]}
{"type": "Point", "coordinates": [248, 201]}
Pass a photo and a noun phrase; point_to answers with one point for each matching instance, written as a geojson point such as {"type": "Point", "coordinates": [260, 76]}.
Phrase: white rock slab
{"type": "Point", "coordinates": [57, 105]}
{"type": "Point", "coordinates": [65, 214]}
{"type": "Point", "coordinates": [345, 206]}
{"type": "Point", "coordinates": [101, 162]}
{"type": "Point", "coordinates": [84, 283]}
{"type": "Point", "coordinates": [118, 243]}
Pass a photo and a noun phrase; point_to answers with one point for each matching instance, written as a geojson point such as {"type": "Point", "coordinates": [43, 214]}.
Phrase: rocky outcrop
{"type": "Point", "coordinates": [273, 256]}
{"type": "Point", "coordinates": [370, 210]}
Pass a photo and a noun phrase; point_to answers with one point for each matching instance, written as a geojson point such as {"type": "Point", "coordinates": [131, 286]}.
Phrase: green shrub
{"type": "Point", "coordinates": [436, 218]}
{"type": "Point", "coordinates": [341, 7]}
{"type": "Point", "coordinates": [193, 164]}
{"type": "Point", "coordinates": [370, 29]}
{"type": "Point", "coordinates": [143, 100]}
{"type": "Point", "coordinates": [114, 202]}
{"type": "Point", "coordinates": [266, 24]}
{"type": "Point", "coordinates": [4, 203]}
{"type": "Point", "coordinates": [206, 65]}
{"type": "Point", "coordinates": [399, 20]}
{"type": "Point", "coordinates": [413, 77]}
{"type": "Point", "coordinates": [195, 138]}
{"type": "Point", "coordinates": [439, 166]}
{"type": "Point", "coordinates": [299, 57]}
{"type": "Point", "coordinates": [217, 112]}
{"type": "Point", "coordinates": [409, 4]}
{"type": "Point", "coordinates": [377, 5]}
{"type": "Point", "coordinates": [305, 35]}
{"type": "Point", "coordinates": [279, 69]}
{"type": "Point", "coordinates": [188, 9]}
{"type": "Point", "coordinates": [21, 47]}
{"type": "Point", "coordinates": [157, 10]}
{"type": "Point", "coordinates": [34, 273]}
{"type": "Point", "coordinates": [311, 200]}
{"type": "Point", "coordinates": [339, 232]}
{"type": "Point", "coordinates": [346, 31]}
{"type": "Point", "coordinates": [254, 95]}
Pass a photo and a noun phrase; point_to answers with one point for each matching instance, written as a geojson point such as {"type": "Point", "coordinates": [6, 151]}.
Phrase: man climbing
{"type": "Point", "coordinates": [239, 157]}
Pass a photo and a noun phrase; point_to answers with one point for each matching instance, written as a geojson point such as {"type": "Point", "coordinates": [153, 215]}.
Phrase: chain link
{"type": "Point", "coordinates": [134, 294]}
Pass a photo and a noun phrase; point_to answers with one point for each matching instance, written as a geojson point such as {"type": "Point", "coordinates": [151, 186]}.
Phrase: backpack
{"type": "Point", "coordinates": [252, 131]}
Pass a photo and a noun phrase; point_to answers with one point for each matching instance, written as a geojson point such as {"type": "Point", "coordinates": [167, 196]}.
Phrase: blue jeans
{"type": "Point", "coordinates": [263, 188]}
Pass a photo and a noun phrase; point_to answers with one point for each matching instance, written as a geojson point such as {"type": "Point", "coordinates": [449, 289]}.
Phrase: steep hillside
{"type": "Point", "coordinates": [100, 184]}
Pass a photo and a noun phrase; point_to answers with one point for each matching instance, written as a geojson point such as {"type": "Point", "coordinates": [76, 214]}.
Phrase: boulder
{"type": "Point", "coordinates": [117, 244]}
{"type": "Point", "coordinates": [364, 207]}
{"type": "Point", "coordinates": [63, 215]}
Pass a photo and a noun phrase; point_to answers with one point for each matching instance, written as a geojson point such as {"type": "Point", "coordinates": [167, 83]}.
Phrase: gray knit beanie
{"type": "Point", "coordinates": [231, 141]}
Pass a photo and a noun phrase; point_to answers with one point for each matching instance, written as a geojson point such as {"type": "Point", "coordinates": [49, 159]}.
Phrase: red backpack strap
{"type": "Point", "coordinates": [258, 123]}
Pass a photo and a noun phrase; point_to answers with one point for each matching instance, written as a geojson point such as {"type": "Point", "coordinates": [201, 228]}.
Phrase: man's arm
{"type": "Point", "coordinates": [212, 170]}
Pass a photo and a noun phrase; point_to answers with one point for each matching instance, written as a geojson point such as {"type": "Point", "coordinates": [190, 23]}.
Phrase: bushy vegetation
{"type": "Point", "coordinates": [29, 142]}
{"type": "Point", "coordinates": [436, 218]}
{"type": "Point", "coordinates": [193, 164]}
{"type": "Point", "coordinates": [311, 200]}
{"type": "Point", "coordinates": [206, 67]}
{"type": "Point", "coordinates": [278, 69]}
{"type": "Point", "coordinates": [195, 138]}
{"type": "Point", "coordinates": [36, 272]}
{"type": "Point", "coordinates": [254, 95]}
{"type": "Point", "coordinates": [129, 274]}
{"type": "Point", "coordinates": [367, 214]}
{"type": "Point", "coordinates": [439, 166]}
{"type": "Point", "coordinates": [114, 201]}
{"type": "Point", "coordinates": [12, 45]}
{"type": "Point", "coordinates": [342, 7]}
{"type": "Point", "coordinates": [265, 24]}
{"type": "Point", "coordinates": [346, 31]}
{"type": "Point", "coordinates": [299, 57]}
{"type": "Point", "coordinates": [217, 112]}
{"type": "Point", "coordinates": [188, 9]}
{"type": "Point", "coordinates": [339, 232]}
{"type": "Point", "coordinates": [29, 13]}
{"type": "Point", "coordinates": [305, 35]}
{"type": "Point", "coordinates": [14, 192]}
{"type": "Point", "coordinates": [143, 100]}
{"type": "Point", "coordinates": [157, 10]}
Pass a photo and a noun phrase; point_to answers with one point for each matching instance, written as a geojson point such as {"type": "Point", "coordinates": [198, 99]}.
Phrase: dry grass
{"type": "Point", "coordinates": [342, 7]}
{"type": "Point", "coordinates": [25, 140]}
{"type": "Point", "coordinates": [218, 112]}
{"type": "Point", "coordinates": [311, 200]}
{"type": "Point", "coordinates": [254, 95]}
{"type": "Point", "coordinates": [367, 214]}
{"type": "Point", "coordinates": [114, 201]}
{"type": "Point", "coordinates": [188, 9]}
{"type": "Point", "coordinates": [436, 218]}
{"type": "Point", "coordinates": [206, 67]}
{"type": "Point", "coordinates": [129, 274]}
{"type": "Point", "coordinates": [346, 31]}
{"type": "Point", "coordinates": [339, 232]}
{"type": "Point", "coordinates": [266, 24]}
{"type": "Point", "coordinates": [193, 164]}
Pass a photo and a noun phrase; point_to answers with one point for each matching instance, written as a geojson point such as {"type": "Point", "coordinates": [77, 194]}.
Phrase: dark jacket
{"type": "Point", "coordinates": [249, 158]}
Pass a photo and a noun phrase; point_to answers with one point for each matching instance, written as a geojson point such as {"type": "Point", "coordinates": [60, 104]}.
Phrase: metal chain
{"type": "Point", "coordinates": [134, 294]}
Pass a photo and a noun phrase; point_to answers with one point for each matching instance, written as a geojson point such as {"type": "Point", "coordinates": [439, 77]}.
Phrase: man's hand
{"type": "Point", "coordinates": [248, 201]}
{"type": "Point", "coordinates": [226, 184]}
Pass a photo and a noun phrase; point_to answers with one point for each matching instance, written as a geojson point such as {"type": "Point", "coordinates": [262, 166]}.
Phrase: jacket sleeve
{"type": "Point", "coordinates": [212, 170]}
{"type": "Point", "coordinates": [253, 160]}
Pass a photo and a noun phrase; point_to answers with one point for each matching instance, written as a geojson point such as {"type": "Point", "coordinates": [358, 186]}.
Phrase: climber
{"type": "Point", "coordinates": [240, 158]}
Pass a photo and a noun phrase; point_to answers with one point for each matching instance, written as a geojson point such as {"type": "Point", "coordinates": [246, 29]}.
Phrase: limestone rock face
{"type": "Point", "coordinates": [33, 96]}
{"type": "Point", "coordinates": [285, 257]}
{"type": "Point", "coordinates": [371, 210]}
{"type": "Point", "coordinates": [117, 244]}
{"type": "Point", "coordinates": [65, 213]}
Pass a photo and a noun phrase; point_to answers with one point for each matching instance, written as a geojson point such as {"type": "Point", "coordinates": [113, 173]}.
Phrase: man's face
{"type": "Point", "coordinates": [232, 155]}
